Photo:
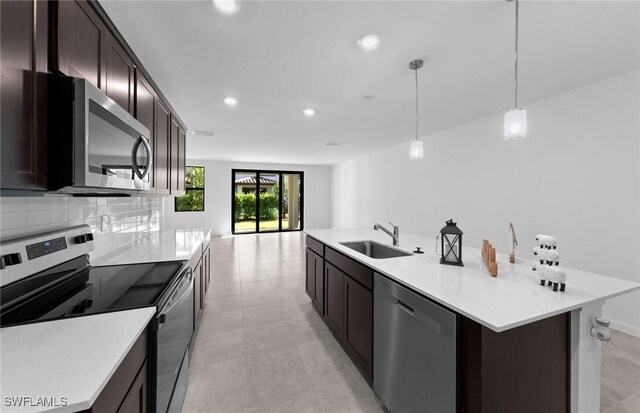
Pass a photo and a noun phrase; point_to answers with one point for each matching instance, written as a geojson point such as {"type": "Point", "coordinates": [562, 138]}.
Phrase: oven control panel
{"type": "Point", "coordinates": [46, 247]}
{"type": "Point", "coordinates": [26, 255]}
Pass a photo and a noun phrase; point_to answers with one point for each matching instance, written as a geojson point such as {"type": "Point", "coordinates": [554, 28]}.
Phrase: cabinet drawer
{"type": "Point", "coordinates": [316, 246]}
{"type": "Point", "coordinates": [353, 269]}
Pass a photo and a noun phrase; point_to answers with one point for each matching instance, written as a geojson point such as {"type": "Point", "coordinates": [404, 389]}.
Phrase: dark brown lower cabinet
{"type": "Point", "coordinates": [137, 399]}
{"type": "Point", "coordinates": [358, 332]}
{"type": "Point", "coordinates": [314, 283]}
{"type": "Point", "coordinates": [522, 370]}
{"type": "Point", "coordinates": [349, 309]}
{"type": "Point", "coordinates": [207, 270]}
{"type": "Point", "coordinates": [334, 309]}
{"type": "Point", "coordinates": [128, 389]}
{"type": "Point", "coordinates": [197, 291]}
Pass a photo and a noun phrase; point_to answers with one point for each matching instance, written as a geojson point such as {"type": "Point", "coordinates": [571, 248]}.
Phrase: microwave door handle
{"type": "Point", "coordinates": [134, 158]}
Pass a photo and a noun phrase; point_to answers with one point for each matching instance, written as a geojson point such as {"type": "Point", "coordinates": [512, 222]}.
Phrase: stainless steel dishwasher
{"type": "Point", "coordinates": [415, 351]}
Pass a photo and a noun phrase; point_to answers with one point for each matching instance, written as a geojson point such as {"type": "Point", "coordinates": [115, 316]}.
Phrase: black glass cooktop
{"type": "Point", "coordinates": [72, 289]}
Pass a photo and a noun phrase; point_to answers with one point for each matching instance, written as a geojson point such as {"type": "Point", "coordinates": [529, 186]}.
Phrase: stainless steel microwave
{"type": "Point", "coordinates": [94, 144]}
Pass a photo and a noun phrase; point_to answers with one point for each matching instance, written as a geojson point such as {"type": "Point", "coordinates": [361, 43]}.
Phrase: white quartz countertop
{"type": "Point", "coordinates": [72, 358]}
{"type": "Point", "coordinates": [168, 245]}
{"type": "Point", "coordinates": [512, 299]}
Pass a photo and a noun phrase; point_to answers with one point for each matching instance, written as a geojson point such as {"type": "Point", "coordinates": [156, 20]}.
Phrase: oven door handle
{"type": "Point", "coordinates": [134, 157]}
{"type": "Point", "coordinates": [182, 291]}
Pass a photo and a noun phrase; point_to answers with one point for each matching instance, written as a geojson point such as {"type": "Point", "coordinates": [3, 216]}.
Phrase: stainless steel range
{"type": "Point", "coordinates": [47, 276]}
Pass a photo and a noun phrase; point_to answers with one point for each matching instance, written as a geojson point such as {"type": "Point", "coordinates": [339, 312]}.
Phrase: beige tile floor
{"type": "Point", "coordinates": [262, 348]}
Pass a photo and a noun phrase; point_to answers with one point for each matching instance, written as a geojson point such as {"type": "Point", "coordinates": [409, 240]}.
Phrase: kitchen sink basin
{"type": "Point", "coordinates": [375, 249]}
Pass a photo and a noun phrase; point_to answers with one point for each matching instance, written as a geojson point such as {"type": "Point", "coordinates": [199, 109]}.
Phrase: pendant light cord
{"type": "Point", "coordinates": [416, 70]}
{"type": "Point", "coordinates": [515, 66]}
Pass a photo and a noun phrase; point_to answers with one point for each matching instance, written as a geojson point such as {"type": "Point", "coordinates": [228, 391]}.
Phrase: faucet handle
{"type": "Point", "coordinates": [390, 223]}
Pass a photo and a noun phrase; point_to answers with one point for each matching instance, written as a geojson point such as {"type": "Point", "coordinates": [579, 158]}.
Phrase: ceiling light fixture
{"type": "Point", "coordinates": [515, 120]}
{"type": "Point", "coordinates": [203, 133]}
{"type": "Point", "coordinates": [308, 111]}
{"type": "Point", "coordinates": [368, 41]}
{"type": "Point", "coordinates": [230, 101]}
{"type": "Point", "coordinates": [417, 146]}
{"type": "Point", "coordinates": [227, 6]}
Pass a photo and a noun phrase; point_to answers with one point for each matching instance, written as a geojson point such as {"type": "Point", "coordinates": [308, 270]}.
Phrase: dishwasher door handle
{"type": "Point", "coordinates": [405, 308]}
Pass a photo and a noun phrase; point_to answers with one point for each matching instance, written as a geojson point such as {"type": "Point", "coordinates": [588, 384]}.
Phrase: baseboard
{"type": "Point", "coordinates": [625, 328]}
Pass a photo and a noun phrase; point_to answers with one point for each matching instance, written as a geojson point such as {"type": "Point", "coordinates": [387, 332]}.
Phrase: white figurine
{"type": "Point", "coordinates": [552, 275]}
{"type": "Point", "coordinates": [550, 257]}
{"type": "Point", "coordinates": [546, 241]}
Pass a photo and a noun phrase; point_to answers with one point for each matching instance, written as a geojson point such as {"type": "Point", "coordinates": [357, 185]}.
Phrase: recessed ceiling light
{"type": "Point", "coordinates": [333, 144]}
{"type": "Point", "coordinates": [227, 6]}
{"type": "Point", "coordinates": [368, 98]}
{"type": "Point", "coordinates": [230, 101]}
{"type": "Point", "coordinates": [368, 41]}
{"type": "Point", "coordinates": [308, 111]}
{"type": "Point", "coordinates": [265, 153]}
{"type": "Point", "coordinates": [203, 133]}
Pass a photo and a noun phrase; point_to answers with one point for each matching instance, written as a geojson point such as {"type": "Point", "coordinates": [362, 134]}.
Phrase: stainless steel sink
{"type": "Point", "coordinates": [375, 249]}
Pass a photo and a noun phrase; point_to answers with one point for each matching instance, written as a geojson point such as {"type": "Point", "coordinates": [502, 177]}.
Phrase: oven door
{"type": "Point", "coordinates": [175, 328]}
{"type": "Point", "coordinates": [112, 150]}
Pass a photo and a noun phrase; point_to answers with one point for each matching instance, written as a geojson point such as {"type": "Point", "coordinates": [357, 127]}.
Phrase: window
{"type": "Point", "coordinates": [193, 199]}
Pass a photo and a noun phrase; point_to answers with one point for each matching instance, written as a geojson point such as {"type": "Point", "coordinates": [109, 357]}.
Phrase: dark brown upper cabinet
{"type": "Point", "coordinates": [79, 41]}
{"type": "Point", "coordinates": [177, 157]}
{"type": "Point", "coordinates": [161, 167]}
{"type": "Point", "coordinates": [23, 92]}
{"type": "Point", "coordinates": [145, 112]}
{"type": "Point", "coordinates": [120, 76]}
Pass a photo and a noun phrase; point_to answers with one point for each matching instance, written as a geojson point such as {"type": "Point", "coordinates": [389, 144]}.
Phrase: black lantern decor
{"type": "Point", "coordinates": [451, 244]}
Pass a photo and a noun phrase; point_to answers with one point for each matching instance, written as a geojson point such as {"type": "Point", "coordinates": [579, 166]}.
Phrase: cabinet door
{"type": "Point", "coordinates": [207, 270]}
{"type": "Point", "coordinates": [310, 281]}
{"type": "Point", "coordinates": [174, 164]}
{"type": "Point", "coordinates": [182, 160]}
{"type": "Point", "coordinates": [23, 57]}
{"type": "Point", "coordinates": [162, 147]}
{"type": "Point", "coordinates": [137, 398]}
{"type": "Point", "coordinates": [319, 279]}
{"type": "Point", "coordinates": [120, 76]}
{"type": "Point", "coordinates": [334, 298]}
{"type": "Point", "coordinates": [145, 112]}
{"type": "Point", "coordinates": [358, 332]}
{"type": "Point", "coordinates": [79, 42]}
{"type": "Point", "coordinates": [197, 291]}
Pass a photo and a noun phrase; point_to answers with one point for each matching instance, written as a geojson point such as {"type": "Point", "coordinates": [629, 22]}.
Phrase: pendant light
{"type": "Point", "coordinates": [417, 146]}
{"type": "Point", "coordinates": [515, 121]}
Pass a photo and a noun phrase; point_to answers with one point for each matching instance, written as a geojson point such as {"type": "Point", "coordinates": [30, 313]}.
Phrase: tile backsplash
{"type": "Point", "coordinates": [115, 221]}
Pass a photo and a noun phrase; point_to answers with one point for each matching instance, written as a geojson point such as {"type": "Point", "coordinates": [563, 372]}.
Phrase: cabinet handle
{"type": "Point", "coordinates": [405, 308]}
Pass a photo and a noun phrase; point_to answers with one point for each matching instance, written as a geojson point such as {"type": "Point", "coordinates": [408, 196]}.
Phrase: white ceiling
{"type": "Point", "coordinates": [277, 58]}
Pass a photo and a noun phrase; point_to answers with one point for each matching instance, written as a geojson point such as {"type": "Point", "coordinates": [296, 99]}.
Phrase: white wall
{"type": "Point", "coordinates": [217, 214]}
{"type": "Point", "coordinates": [576, 176]}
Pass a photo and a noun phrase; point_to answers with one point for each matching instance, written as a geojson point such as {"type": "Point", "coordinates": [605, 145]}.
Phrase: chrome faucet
{"type": "Point", "coordinates": [395, 234]}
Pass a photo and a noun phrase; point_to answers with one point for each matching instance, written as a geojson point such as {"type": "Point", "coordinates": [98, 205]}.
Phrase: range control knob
{"type": "Point", "coordinates": [82, 306]}
{"type": "Point", "coordinates": [10, 259]}
{"type": "Point", "coordinates": [81, 239]}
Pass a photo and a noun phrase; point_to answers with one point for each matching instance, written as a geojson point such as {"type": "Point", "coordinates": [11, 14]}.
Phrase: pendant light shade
{"type": "Point", "coordinates": [515, 124]}
{"type": "Point", "coordinates": [515, 121]}
{"type": "Point", "coordinates": [417, 149]}
{"type": "Point", "coordinates": [417, 146]}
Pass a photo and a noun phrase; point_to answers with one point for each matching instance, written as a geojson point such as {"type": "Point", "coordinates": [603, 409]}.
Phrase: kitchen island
{"type": "Point", "coordinates": [503, 324]}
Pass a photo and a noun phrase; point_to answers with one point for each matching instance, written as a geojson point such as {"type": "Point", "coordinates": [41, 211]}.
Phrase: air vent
{"type": "Point", "coordinates": [203, 133]}
{"type": "Point", "coordinates": [333, 144]}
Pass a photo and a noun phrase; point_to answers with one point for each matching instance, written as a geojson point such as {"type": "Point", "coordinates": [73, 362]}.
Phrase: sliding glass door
{"type": "Point", "coordinates": [266, 201]}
